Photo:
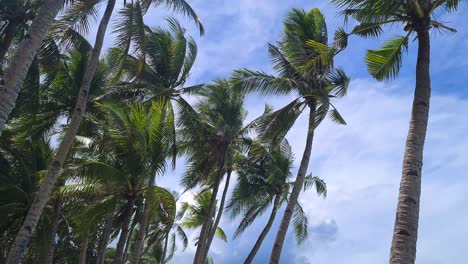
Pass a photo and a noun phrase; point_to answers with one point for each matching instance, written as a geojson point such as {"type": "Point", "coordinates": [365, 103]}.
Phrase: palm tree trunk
{"type": "Point", "coordinates": [265, 230]}
{"type": "Point", "coordinates": [10, 31]}
{"type": "Point", "coordinates": [105, 239]}
{"type": "Point", "coordinates": [53, 231]}
{"type": "Point", "coordinates": [405, 233]}
{"type": "Point", "coordinates": [127, 244]}
{"type": "Point", "coordinates": [23, 57]}
{"type": "Point", "coordinates": [119, 252]}
{"type": "Point", "coordinates": [166, 241]}
{"type": "Point", "coordinates": [209, 218]}
{"type": "Point", "coordinates": [41, 198]}
{"type": "Point", "coordinates": [141, 235]}
{"type": "Point", "coordinates": [83, 249]}
{"type": "Point", "coordinates": [283, 228]}
{"type": "Point", "coordinates": [218, 216]}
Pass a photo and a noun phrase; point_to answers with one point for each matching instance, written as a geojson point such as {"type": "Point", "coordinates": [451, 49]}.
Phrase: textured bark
{"type": "Point", "coordinates": [53, 231]}
{"type": "Point", "coordinates": [204, 232]}
{"type": "Point", "coordinates": [119, 252]}
{"type": "Point", "coordinates": [140, 236]}
{"type": "Point", "coordinates": [405, 233]}
{"type": "Point", "coordinates": [265, 230]}
{"type": "Point", "coordinates": [285, 221]}
{"type": "Point", "coordinates": [10, 32]}
{"type": "Point", "coordinates": [105, 240]}
{"type": "Point", "coordinates": [218, 217]}
{"type": "Point", "coordinates": [83, 249]}
{"type": "Point", "coordinates": [23, 57]}
{"type": "Point", "coordinates": [42, 196]}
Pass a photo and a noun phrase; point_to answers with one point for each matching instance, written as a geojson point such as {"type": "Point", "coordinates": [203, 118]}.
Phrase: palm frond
{"type": "Point", "coordinates": [220, 233]}
{"type": "Point", "coordinates": [301, 224]}
{"type": "Point", "coordinates": [385, 63]}
{"type": "Point", "coordinates": [273, 127]}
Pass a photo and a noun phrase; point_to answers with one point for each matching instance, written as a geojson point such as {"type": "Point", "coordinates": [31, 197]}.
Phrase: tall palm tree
{"type": "Point", "coordinates": [264, 178]}
{"type": "Point", "coordinates": [158, 69]}
{"type": "Point", "coordinates": [133, 146]}
{"type": "Point", "coordinates": [210, 135]}
{"type": "Point", "coordinates": [417, 18]}
{"type": "Point", "coordinates": [24, 56]}
{"type": "Point", "coordinates": [84, 9]}
{"type": "Point", "coordinates": [15, 16]}
{"type": "Point", "coordinates": [304, 65]}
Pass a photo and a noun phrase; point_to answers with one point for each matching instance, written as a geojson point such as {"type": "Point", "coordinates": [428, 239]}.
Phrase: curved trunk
{"type": "Point", "coordinates": [53, 230]}
{"type": "Point", "coordinates": [83, 249]}
{"type": "Point", "coordinates": [202, 239]}
{"type": "Point", "coordinates": [218, 217]}
{"type": "Point", "coordinates": [22, 59]}
{"type": "Point", "coordinates": [140, 236]}
{"type": "Point", "coordinates": [105, 240]}
{"type": "Point", "coordinates": [285, 221]}
{"type": "Point", "coordinates": [10, 31]}
{"type": "Point", "coordinates": [405, 231]}
{"type": "Point", "coordinates": [265, 230]}
{"type": "Point", "coordinates": [42, 196]}
{"type": "Point", "coordinates": [119, 251]}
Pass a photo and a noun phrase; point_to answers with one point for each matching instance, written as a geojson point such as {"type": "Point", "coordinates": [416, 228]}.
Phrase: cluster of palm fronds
{"type": "Point", "coordinates": [85, 137]}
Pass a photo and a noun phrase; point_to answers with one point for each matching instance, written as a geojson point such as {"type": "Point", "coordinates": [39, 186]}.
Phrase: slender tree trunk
{"type": "Point", "coordinates": [202, 239]}
{"type": "Point", "coordinates": [405, 233]}
{"type": "Point", "coordinates": [119, 252]}
{"type": "Point", "coordinates": [127, 245]}
{"type": "Point", "coordinates": [283, 228]}
{"type": "Point", "coordinates": [41, 198]}
{"type": "Point", "coordinates": [218, 216]}
{"type": "Point", "coordinates": [83, 249]}
{"type": "Point", "coordinates": [206, 225]}
{"type": "Point", "coordinates": [265, 230]}
{"type": "Point", "coordinates": [141, 235]}
{"type": "Point", "coordinates": [166, 241]}
{"type": "Point", "coordinates": [10, 32]}
{"type": "Point", "coordinates": [23, 57]}
{"type": "Point", "coordinates": [105, 240]}
{"type": "Point", "coordinates": [53, 231]}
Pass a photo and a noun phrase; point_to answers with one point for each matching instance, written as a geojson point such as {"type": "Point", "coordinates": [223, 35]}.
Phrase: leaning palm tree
{"type": "Point", "coordinates": [76, 15]}
{"type": "Point", "coordinates": [304, 65]}
{"type": "Point", "coordinates": [209, 136]}
{"type": "Point", "coordinates": [418, 18]}
{"type": "Point", "coordinates": [24, 56]}
{"type": "Point", "coordinates": [264, 178]}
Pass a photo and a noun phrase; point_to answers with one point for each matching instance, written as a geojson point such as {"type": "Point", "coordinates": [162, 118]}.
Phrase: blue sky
{"type": "Point", "coordinates": [360, 162]}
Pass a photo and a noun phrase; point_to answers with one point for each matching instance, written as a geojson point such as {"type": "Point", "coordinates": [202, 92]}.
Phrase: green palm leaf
{"type": "Point", "coordinates": [385, 62]}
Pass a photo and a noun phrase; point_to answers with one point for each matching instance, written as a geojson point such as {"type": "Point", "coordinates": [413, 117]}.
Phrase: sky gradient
{"type": "Point", "coordinates": [360, 162]}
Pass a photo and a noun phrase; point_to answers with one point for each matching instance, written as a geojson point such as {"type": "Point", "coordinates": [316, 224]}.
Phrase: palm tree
{"type": "Point", "coordinates": [15, 17]}
{"type": "Point", "coordinates": [76, 15]}
{"type": "Point", "coordinates": [210, 135]}
{"type": "Point", "coordinates": [24, 56]}
{"type": "Point", "coordinates": [304, 65]}
{"type": "Point", "coordinates": [417, 18]}
{"type": "Point", "coordinates": [193, 215]}
{"type": "Point", "coordinates": [264, 178]}
{"type": "Point", "coordinates": [159, 69]}
{"type": "Point", "coordinates": [133, 145]}
{"type": "Point", "coordinates": [22, 163]}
